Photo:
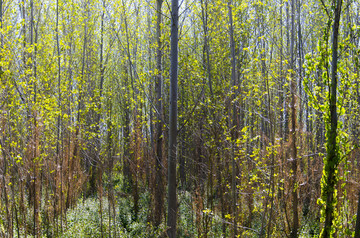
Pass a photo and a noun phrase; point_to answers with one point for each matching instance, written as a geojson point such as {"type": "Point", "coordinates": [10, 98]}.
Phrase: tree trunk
{"type": "Point", "coordinates": [206, 52]}
{"type": "Point", "coordinates": [331, 162]}
{"type": "Point", "coordinates": [127, 171]}
{"type": "Point", "coordinates": [357, 227]}
{"type": "Point", "coordinates": [159, 184]}
{"type": "Point", "coordinates": [234, 121]}
{"type": "Point", "coordinates": [97, 170]}
{"type": "Point", "coordinates": [57, 157]}
{"type": "Point", "coordinates": [172, 201]}
{"type": "Point", "coordinates": [294, 165]}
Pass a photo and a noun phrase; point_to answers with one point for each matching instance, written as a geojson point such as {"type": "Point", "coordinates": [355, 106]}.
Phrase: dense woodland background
{"type": "Point", "coordinates": [85, 116]}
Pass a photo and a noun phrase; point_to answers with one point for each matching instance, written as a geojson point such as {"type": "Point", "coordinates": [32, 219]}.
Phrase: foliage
{"type": "Point", "coordinates": [79, 117]}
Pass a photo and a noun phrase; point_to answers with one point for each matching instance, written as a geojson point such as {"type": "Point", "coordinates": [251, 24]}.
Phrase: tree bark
{"type": "Point", "coordinates": [330, 177]}
{"type": "Point", "coordinates": [159, 186]}
{"type": "Point", "coordinates": [206, 52]}
{"type": "Point", "coordinates": [172, 201]}
{"type": "Point", "coordinates": [97, 170]}
{"type": "Point", "coordinates": [234, 121]}
{"type": "Point", "coordinates": [294, 164]}
{"type": "Point", "coordinates": [127, 170]}
{"type": "Point", "coordinates": [357, 227]}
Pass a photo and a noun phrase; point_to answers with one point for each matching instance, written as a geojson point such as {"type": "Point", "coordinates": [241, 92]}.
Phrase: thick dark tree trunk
{"type": "Point", "coordinates": [172, 201]}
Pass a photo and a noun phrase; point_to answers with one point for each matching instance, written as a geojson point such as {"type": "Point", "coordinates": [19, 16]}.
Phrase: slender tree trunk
{"type": "Point", "coordinates": [294, 165]}
{"type": "Point", "coordinates": [110, 169]}
{"type": "Point", "coordinates": [15, 204]}
{"type": "Point", "coordinates": [282, 102]}
{"type": "Point", "coordinates": [59, 81]}
{"type": "Point", "coordinates": [159, 184]}
{"type": "Point", "coordinates": [264, 123]}
{"type": "Point", "coordinates": [98, 170]}
{"type": "Point", "coordinates": [151, 111]}
{"type": "Point", "coordinates": [332, 160]}
{"type": "Point", "coordinates": [57, 157]}
{"type": "Point", "coordinates": [301, 60]}
{"type": "Point", "coordinates": [206, 52]}
{"type": "Point", "coordinates": [35, 131]}
{"type": "Point", "coordinates": [285, 108]}
{"type": "Point", "coordinates": [82, 74]}
{"type": "Point", "coordinates": [5, 194]}
{"type": "Point", "coordinates": [272, 155]}
{"type": "Point", "coordinates": [131, 67]}
{"type": "Point", "coordinates": [235, 125]}
{"type": "Point", "coordinates": [357, 227]}
{"type": "Point", "coordinates": [4, 157]}
{"type": "Point", "coordinates": [172, 201]}
{"type": "Point", "coordinates": [127, 171]}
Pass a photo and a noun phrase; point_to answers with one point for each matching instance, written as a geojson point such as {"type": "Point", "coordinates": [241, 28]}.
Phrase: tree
{"type": "Point", "coordinates": [172, 199]}
{"type": "Point", "coordinates": [88, 99]}
{"type": "Point", "coordinates": [159, 186]}
{"type": "Point", "coordinates": [332, 160]}
{"type": "Point", "coordinates": [235, 126]}
{"type": "Point", "coordinates": [293, 134]}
